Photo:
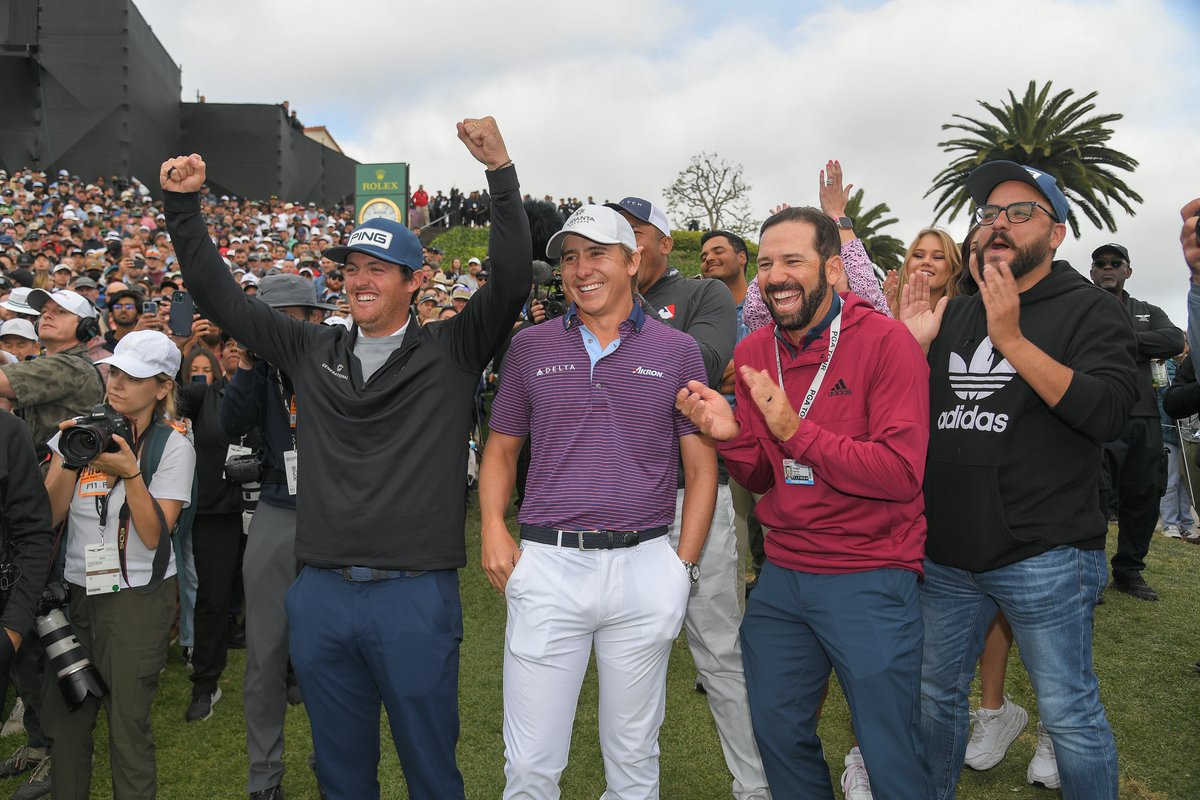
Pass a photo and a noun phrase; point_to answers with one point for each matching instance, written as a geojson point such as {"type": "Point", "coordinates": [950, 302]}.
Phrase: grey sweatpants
{"type": "Point", "coordinates": [268, 569]}
{"type": "Point", "coordinates": [713, 620]}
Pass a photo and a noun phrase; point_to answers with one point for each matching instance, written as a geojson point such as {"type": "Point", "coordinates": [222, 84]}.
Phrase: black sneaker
{"type": "Point", "coordinates": [274, 793]}
{"type": "Point", "coordinates": [38, 784]}
{"type": "Point", "coordinates": [26, 758]}
{"type": "Point", "coordinates": [1136, 587]}
{"type": "Point", "coordinates": [202, 706]}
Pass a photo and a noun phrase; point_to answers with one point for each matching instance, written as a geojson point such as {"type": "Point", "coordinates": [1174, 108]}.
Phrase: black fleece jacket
{"type": "Point", "coordinates": [382, 463]}
{"type": "Point", "coordinates": [1008, 477]}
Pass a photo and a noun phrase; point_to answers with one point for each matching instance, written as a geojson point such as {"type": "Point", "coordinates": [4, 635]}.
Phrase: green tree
{"type": "Point", "coordinates": [1058, 134]}
{"type": "Point", "coordinates": [713, 192]}
{"type": "Point", "coordinates": [886, 251]}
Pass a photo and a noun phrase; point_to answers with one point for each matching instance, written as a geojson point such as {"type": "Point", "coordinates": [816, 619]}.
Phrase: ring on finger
{"type": "Point", "coordinates": [172, 169]}
{"type": "Point", "coordinates": [828, 182]}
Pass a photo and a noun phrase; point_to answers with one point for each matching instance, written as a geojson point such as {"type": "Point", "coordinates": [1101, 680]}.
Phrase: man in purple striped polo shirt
{"type": "Point", "coordinates": [595, 392]}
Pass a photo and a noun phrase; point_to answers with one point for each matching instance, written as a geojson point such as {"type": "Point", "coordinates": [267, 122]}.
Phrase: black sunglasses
{"type": "Point", "coordinates": [1115, 263]}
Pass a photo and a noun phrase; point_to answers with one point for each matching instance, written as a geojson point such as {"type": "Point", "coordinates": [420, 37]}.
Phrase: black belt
{"type": "Point", "coordinates": [370, 574]}
{"type": "Point", "coordinates": [590, 540]}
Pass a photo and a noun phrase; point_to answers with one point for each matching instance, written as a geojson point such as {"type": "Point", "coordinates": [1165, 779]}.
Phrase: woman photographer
{"type": "Point", "coordinates": [109, 503]}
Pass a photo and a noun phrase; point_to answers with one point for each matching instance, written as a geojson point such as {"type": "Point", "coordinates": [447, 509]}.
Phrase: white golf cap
{"type": "Point", "coordinates": [74, 302]}
{"type": "Point", "coordinates": [18, 301]}
{"type": "Point", "coordinates": [144, 354]}
{"type": "Point", "coordinates": [595, 223]}
{"type": "Point", "coordinates": [18, 327]}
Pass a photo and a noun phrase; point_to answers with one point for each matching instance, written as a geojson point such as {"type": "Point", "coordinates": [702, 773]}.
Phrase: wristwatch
{"type": "Point", "coordinates": [844, 222]}
{"type": "Point", "coordinates": [692, 570]}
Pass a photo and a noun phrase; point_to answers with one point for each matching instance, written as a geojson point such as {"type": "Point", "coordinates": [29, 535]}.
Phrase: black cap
{"type": "Point", "coordinates": [1111, 247]}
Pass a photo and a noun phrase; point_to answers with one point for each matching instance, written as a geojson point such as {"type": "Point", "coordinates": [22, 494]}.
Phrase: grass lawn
{"type": "Point", "coordinates": [1144, 653]}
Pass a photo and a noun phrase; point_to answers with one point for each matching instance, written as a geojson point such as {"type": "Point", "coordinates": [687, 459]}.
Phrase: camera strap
{"type": "Point", "coordinates": [150, 453]}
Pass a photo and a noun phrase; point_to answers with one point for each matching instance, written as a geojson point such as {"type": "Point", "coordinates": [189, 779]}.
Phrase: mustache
{"type": "Point", "coordinates": [786, 286]}
{"type": "Point", "coordinates": [1001, 236]}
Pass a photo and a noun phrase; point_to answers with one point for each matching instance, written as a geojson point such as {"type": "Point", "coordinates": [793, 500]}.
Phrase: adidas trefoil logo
{"type": "Point", "coordinates": [840, 388]}
{"type": "Point", "coordinates": [980, 379]}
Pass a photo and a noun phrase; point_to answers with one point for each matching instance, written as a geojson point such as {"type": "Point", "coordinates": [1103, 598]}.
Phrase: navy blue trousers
{"type": "Point", "coordinates": [395, 642]}
{"type": "Point", "coordinates": [866, 626]}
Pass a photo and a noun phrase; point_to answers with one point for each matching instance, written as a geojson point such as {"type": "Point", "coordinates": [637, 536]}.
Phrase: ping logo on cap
{"type": "Point", "coordinates": [371, 236]}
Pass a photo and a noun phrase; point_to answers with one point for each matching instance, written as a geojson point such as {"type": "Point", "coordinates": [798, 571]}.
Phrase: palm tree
{"type": "Point", "coordinates": [886, 252]}
{"type": "Point", "coordinates": [1052, 134]}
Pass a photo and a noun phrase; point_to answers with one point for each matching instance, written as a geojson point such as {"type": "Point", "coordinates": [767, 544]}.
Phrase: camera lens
{"type": "Point", "coordinates": [82, 443]}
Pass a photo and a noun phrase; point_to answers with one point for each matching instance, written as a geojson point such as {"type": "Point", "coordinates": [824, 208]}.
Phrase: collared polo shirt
{"type": "Point", "coordinates": [604, 436]}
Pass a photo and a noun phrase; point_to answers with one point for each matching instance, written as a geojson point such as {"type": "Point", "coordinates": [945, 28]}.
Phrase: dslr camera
{"type": "Point", "coordinates": [92, 434]}
{"type": "Point", "coordinates": [555, 300]}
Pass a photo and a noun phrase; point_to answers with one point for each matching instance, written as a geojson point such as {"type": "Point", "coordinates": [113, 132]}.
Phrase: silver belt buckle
{"type": "Point", "coordinates": [579, 544]}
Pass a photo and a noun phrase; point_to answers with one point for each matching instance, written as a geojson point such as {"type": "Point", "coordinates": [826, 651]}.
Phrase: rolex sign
{"type": "Point", "coordinates": [381, 190]}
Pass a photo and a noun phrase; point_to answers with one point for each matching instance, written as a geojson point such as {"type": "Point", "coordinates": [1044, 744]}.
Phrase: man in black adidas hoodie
{"type": "Point", "coordinates": [1027, 378]}
{"type": "Point", "coordinates": [383, 410]}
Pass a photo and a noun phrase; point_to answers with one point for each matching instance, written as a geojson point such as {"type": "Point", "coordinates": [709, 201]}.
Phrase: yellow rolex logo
{"type": "Point", "coordinates": [379, 174]}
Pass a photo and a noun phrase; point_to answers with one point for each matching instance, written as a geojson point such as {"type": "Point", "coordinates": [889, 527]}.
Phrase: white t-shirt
{"type": "Point", "coordinates": [172, 481]}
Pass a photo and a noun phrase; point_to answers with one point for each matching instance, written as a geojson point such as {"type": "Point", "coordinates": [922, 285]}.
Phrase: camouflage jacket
{"type": "Point", "coordinates": [53, 388]}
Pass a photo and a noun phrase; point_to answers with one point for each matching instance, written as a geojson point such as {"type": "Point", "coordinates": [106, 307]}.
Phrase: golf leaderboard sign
{"type": "Point", "coordinates": [381, 190]}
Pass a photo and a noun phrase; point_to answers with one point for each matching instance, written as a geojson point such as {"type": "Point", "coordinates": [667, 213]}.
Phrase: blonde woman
{"type": "Point", "coordinates": [122, 618]}
{"type": "Point", "coordinates": [934, 253]}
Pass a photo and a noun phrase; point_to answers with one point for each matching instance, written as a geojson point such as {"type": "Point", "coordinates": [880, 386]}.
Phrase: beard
{"type": "Point", "coordinates": [1024, 259]}
{"type": "Point", "coordinates": [802, 317]}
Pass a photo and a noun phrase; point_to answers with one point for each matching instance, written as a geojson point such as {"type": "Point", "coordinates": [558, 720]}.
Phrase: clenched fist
{"type": "Point", "coordinates": [183, 174]}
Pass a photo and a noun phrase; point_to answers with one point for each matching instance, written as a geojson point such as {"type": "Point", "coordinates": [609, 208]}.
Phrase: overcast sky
{"type": "Point", "coordinates": [615, 102]}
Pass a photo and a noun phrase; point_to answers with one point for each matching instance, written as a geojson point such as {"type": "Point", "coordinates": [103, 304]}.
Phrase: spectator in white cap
{"type": "Point", "coordinates": [61, 276]}
{"type": "Point", "coordinates": [16, 305]}
{"type": "Point", "coordinates": [64, 384]}
{"type": "Point", "coordinates": [19, 339]}
{"type": "Point", "coordinates": [468, 278]}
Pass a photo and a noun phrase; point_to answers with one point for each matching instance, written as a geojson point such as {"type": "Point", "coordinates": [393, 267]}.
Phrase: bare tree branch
{"type": "Point", "coordinates": [712, 190]}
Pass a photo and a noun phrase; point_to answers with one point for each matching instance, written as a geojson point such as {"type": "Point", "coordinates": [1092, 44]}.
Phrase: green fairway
{"type": "Point", "coordinates": [1144, 653]}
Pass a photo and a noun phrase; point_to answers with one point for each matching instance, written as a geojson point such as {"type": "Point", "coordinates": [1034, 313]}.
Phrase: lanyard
{"type": "Point", "coordinates": [835, 329]}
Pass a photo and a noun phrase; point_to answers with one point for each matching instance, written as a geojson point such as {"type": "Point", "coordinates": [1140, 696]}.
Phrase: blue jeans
{"type": "Point", "coordinates": [1049, 600]}
{"type": "Point", "coordinates": [1175, 506]}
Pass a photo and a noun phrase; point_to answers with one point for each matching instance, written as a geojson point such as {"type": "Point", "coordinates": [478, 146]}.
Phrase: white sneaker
{"type": "Point", "coordinates": [856, 784]}
{"type": "Point", "coordinates": [1043, 768]}
{"type": "Point", "coordinates": [1172, 531]}
{"type": "Point", "coordinates": [992, 732]}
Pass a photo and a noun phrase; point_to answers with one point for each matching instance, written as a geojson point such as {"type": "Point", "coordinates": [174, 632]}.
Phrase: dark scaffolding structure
{"type": "Point", "coordinates": [89, 88]}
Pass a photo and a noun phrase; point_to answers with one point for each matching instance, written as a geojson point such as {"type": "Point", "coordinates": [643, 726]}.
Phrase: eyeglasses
{"type": "Point", "coordinates": [127, 306]}
{"type": "Point", "coordinates": [1115, 263]}
{"type": "Point", "coordinates": [1016, 212]}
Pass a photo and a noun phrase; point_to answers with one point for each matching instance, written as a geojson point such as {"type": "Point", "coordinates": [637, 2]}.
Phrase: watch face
{"type": "Point", "coordinates": [379, 208]}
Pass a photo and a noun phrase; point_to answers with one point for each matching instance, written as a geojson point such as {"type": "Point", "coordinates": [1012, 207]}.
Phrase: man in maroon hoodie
{"type": "Point", "coordinates": [832, 424]}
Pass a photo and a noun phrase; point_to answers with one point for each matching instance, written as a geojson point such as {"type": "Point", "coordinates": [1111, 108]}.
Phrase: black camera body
{"type": "Point", "coordinates": [92, 434]}
{"type": "Point", "coordinates": [555, 300]}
